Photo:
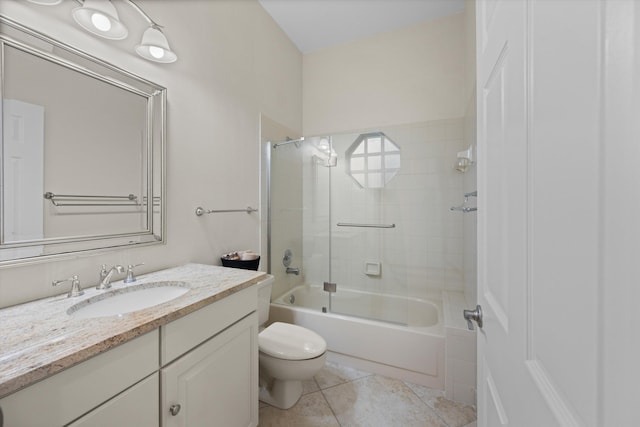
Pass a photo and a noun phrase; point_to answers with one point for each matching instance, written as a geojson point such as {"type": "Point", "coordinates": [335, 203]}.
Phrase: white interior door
{"type": "Point", "coordinates": [539, 141]}
{"type": "Point", "coordinates": [23, 174]}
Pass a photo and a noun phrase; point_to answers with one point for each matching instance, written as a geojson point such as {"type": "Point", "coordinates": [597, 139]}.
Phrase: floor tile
{"type": "Point", "coordinates": [426, 394]}
{"type": "Point", "coordinates": [311, 410]}
{"type": "Point", "coordinates": [375, 401]}
{"type": "Point", "coordinates": [333, 374]}
{"type": "Point", "coordinates": [339, 396]}
{"type": "Point", "coordinates": [453, 413]}
{"type": "Point", "coordinates": [309, 386]}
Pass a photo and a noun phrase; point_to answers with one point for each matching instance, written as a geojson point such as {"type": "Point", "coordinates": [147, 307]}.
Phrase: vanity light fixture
{"type": "Point", "coordinates": [100, 17]}
{"type": "Point", "coordinates": [155, 47]}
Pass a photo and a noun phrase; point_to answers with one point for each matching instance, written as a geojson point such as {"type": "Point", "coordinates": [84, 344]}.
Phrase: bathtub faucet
{"type": "Point", "coordinates": [291, 270]}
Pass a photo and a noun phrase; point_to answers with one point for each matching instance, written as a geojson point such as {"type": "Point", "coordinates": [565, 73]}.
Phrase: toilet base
{"type": "Point", "coordinates": [282, 394]}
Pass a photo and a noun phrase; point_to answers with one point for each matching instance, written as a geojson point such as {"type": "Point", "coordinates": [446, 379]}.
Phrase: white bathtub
{"type": "Point", "coordinates": [413, 352]}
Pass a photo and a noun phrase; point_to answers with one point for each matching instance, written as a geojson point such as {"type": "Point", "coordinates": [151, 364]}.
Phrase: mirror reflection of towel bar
{"type": "Point", "coordinates": [348, 224]}
{"type": "Point", "coordinates": [76, 200]}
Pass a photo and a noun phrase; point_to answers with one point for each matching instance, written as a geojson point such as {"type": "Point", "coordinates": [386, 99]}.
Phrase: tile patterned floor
{"type": "Point", "coordinates": [339, 396]}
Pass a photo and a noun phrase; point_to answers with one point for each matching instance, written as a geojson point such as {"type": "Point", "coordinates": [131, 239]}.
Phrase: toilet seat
{"type": "Point", "coordinates": [290, 342]}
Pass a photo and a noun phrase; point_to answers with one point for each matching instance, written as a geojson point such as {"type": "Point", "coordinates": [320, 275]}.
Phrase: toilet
{"type": "Point", "coordinates": [289, 354]}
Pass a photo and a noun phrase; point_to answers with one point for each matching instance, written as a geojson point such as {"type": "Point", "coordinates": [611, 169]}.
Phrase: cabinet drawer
{"type": "Point", "coordinates": [138, 406]}
{"type": "Point", "coordinates": [183, 334]}
{"type": "Point", "coordinates": [66, 395]}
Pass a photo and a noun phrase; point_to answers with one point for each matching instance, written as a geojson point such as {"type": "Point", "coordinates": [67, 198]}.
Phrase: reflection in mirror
{"type": "Point", "coordinates": [82, 151]}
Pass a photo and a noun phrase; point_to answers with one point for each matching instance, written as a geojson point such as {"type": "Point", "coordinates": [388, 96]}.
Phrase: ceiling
{"type": "Point", "coordinates": [317, 24]}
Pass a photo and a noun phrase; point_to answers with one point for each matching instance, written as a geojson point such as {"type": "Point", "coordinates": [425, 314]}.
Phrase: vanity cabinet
{"type": "Point", "coordinates": [206, 362]}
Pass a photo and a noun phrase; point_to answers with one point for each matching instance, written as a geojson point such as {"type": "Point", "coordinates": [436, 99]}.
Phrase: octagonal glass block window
{"type": "Point", "coordinates": [373, 160]}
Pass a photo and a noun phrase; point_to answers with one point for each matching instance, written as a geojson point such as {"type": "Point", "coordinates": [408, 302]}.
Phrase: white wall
{"type": "Point", "coordinates": [233, 63]}
{"type": "Point", "coordinates": [409, 75]}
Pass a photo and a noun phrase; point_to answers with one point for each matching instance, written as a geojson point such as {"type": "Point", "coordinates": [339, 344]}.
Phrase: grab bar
{"type": "Point", "coordinates": [200, 211]}
{"type": "Point", "coordinates": [349, 224]}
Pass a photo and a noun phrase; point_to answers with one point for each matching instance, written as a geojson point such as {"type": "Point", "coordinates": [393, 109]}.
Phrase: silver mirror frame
{"type": "Point", "coordinates": [156, 96]}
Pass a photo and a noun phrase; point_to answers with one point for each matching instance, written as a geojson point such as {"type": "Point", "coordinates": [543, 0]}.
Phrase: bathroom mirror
{"type": "Point", "coordinates": [82, 156]}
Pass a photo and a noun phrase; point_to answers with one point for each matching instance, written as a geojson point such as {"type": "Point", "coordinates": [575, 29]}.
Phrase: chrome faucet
{"type": "Point", "coordinates": [75, 290]}
{"type": "Point", "coordinates": [105, 276]}
{"type": "Point", "coordinates": [130, 276]}
{"type": "Point", "coordinates": [292, 270]}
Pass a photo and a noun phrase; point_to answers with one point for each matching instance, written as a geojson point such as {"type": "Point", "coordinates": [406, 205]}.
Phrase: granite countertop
{"type": "Point", "coordinates": [39, 338]}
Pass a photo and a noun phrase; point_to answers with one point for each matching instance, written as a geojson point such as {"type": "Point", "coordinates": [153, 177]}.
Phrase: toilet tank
{"type": "Point", "coordinates": [264, 298]}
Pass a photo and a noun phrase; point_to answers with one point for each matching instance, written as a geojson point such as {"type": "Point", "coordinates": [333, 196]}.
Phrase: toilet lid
{"type": "Point", "coordinates": [291, 342]}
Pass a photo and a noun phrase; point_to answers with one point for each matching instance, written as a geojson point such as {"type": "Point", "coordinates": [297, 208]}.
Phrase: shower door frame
{"type": "Point", "coordinates": [269, 148]}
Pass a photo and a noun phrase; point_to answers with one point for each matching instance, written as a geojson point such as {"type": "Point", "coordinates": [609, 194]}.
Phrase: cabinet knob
{"type": "Point", "coordinates": [174, 409]}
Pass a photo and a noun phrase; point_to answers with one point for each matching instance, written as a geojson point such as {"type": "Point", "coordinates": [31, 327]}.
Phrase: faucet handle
{"type": "Point", "coordinates": [75, 290]}
{"type": "Point", "coordinates": [130, 276]}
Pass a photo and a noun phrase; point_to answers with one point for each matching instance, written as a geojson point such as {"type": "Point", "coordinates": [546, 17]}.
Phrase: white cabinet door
{"type": "Point", "coordinates": [216, 384]}
{"type": "Point", "coordinates": [138, 406]}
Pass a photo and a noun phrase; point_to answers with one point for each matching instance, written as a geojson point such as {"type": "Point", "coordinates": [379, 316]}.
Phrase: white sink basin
{"type": "Point", "coordinates": [128, 299]}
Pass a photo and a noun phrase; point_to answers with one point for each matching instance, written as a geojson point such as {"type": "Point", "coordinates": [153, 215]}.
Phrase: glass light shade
{"type": "Point", "coordinates": [100, 17]}
{"type": "Point", "coordinates": [45, 2]}
{"type": "Point", "coordinates": [155, 47]}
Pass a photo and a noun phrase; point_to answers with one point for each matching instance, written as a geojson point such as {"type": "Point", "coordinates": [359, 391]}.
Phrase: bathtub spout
{"type": "Point", "coordinates": [291, 270]}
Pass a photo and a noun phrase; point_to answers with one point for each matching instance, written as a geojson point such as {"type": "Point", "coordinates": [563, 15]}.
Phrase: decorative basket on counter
{"type": "Point", "coordinates": [245, 260]}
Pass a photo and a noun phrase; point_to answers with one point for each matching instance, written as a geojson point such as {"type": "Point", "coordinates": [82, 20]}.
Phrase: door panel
{"type": "Point", "coordinates": [502, 173]}
{"type": "Point", "coordinates": [538, 119]}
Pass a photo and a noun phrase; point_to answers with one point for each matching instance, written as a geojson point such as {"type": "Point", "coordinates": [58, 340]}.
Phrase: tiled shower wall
{"type": "Point", "coordinates": [424, 252]}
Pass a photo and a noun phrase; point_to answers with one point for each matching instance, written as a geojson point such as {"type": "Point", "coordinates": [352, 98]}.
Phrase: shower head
{"type": "Point", "coordinates": [328, 161]}
{"type": "Point", "coordinates": [325, 152]}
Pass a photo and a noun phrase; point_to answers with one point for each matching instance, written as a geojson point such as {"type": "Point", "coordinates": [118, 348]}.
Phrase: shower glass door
{"type": "Point", "coordinates": [299, 222]}
{"type": "Point", "coordinates": [371, 212]}
{"type": "Point", "coordinates": [367, 228]}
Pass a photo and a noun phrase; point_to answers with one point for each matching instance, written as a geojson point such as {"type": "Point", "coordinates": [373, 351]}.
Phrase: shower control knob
{"type": "Point", "coordinates": [175, 409]}
{"type": "Point", "coordinates": [475, 315]}
{"type": "Point", "coordinates": [286, 258]}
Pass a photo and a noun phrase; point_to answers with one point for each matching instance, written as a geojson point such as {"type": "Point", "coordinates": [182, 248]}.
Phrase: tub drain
{"type": "Point", "coordinates": [292, 299]}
